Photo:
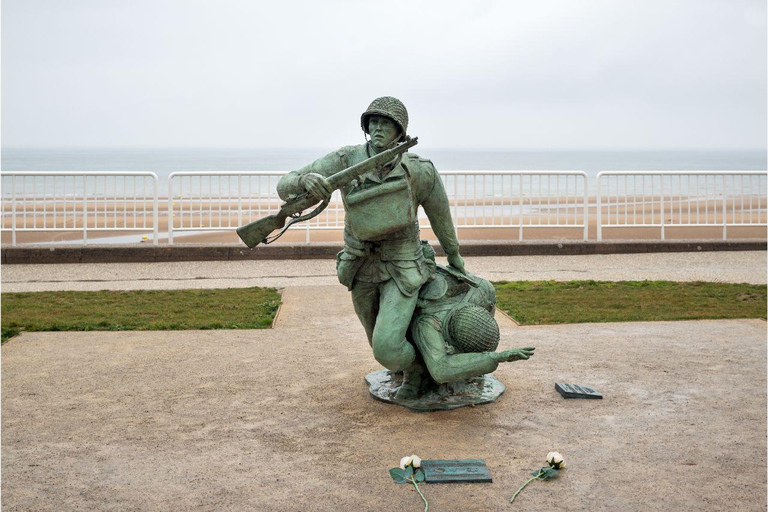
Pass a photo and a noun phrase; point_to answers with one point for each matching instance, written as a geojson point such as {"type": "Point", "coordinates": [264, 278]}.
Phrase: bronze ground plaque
{"type": "Point", "coordinates": [455, 471]}
{"type": "Point", "coordinates": [575, 391]}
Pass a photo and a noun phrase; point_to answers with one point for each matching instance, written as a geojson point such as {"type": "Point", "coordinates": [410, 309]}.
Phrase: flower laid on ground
{"type": "Point", "coordinates": [555, 462]}
{"type": "Point", "coordinates": [413, 460]}
{"type": "Point", "coordinates": [410, 471]}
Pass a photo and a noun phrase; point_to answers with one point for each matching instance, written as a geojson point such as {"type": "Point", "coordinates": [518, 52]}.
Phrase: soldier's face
{"type": "Point", "coordinates": [383, 131]}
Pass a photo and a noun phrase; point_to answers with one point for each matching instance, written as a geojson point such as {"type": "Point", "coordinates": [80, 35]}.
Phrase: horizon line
{"type": "Point", "coordinates": [326, 148]}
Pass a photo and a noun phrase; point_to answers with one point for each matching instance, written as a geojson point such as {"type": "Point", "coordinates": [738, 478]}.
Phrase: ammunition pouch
{"type": "Point", "coordinates": [377, 212]}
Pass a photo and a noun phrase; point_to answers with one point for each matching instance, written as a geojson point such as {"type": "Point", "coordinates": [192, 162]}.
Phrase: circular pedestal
{"type": "Point", "coordinates": [484, 389]}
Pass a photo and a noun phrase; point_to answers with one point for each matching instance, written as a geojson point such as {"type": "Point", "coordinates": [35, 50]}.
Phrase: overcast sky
{"type": "Point", "coordinates": [546, 74]}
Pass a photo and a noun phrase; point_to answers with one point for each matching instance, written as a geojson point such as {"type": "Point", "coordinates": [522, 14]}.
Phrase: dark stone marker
{"type": "Point", "coordinates": [574, 391]}
{"type": "Point", "coordinates": [455, 471]}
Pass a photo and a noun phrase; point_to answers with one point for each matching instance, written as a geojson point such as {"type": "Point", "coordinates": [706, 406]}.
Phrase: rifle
{"type": "Point", "coordinates": [258, 232]}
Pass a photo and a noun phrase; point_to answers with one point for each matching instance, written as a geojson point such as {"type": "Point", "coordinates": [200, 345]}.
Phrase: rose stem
{"type": "Point", "coordinates": [523, 486]}
{"type": "Point", "coordinates": [426, 505]}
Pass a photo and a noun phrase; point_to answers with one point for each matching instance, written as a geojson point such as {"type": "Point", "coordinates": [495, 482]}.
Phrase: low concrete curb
{"type": "Point", "coordinates": [149, 253]}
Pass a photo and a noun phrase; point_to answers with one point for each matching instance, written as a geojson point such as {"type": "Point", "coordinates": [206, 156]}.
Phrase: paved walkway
{"type": "Point", "coordinates": [726, 266]}
{"type": "Point", "coordinates": [281, 419]}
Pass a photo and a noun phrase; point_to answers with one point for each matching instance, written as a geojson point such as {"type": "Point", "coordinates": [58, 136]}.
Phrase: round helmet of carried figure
{"type": "Point", "coordinates": [471, 328]}
{"type": "Point", "coordinates": [390, 107]}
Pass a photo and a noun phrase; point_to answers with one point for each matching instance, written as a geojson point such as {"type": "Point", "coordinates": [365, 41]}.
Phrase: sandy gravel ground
{"type": "Point", "coordinates": [723, 266]}
{"type": "Point", "coordinates": [281, 419]}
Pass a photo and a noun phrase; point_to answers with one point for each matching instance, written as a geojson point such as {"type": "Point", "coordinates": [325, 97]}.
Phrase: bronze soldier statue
{"type": "Point", "coordinates": [382, 262]}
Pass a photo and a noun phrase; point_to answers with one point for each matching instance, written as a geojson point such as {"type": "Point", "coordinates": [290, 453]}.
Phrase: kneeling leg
{"type": "Point", "coordinates": [390, 347]}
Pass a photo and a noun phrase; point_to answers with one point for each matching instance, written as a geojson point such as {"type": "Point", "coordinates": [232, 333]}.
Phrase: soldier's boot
{"type": "Point", "coordinates": [414, 379]}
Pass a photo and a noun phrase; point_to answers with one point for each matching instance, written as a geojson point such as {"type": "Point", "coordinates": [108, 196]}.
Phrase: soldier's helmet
{"type": "Point", "coordinates": [471, 328]}
{"type": "Point", "coordinates": [390, 107]}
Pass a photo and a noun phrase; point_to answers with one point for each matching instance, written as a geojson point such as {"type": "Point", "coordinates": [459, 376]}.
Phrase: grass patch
{"type": "Point", "coordinates": [550, 302]}
{"type": "Point", "coordinates": [141, 310]}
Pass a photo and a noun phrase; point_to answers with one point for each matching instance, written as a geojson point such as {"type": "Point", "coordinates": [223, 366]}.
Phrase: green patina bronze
{"type": "Point", "coordinates": [455, 332]}
{"type": "Point", "coordinates": [484, 389]}
{"type": "Point", "coordinates": [456, 335]}
{"type": "Point", "coordinates": [392, 276]}
{"type": "Point", "coordinates": [456, 471]}
{"type": "Point", "coordinates": [259, 231]}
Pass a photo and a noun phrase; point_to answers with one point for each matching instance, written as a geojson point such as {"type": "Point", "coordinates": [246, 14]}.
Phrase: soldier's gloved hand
{"type": "Point", "coordinates": [456, 261]}
{"type": "Point", "coordinates": [515, 354]}
{"type": "Point", "coordinates": [316, 185]}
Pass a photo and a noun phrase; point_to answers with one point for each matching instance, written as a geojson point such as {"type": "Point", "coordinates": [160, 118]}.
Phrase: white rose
{"type": "Point", "coordinates": [555, 460]}
{"type": "Point", "coordinates": [412, 460]}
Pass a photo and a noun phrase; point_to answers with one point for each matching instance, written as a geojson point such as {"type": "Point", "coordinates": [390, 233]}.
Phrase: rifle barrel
{"type": "Point", "coordinates": [343, 177]}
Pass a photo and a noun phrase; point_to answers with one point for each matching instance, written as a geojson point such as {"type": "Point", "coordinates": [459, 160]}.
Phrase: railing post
{"type": "Point", "coordinates": [170, 209]}
{"type": "Point", "coordinates": [586, 207]}
{"type": "Point", "coordinates": [661, 203]}
{"type": "Point", "coordinates": [725, 210]}
{"type": "Point", "coordinates": [455, 205]}
{"type": "Point", "coordinates": [13, 209]}
{"type": "Point", "coordinates": [520, 209]}
{"type": "Point", "coordinates": [155, 213]}
{"type": "Point", "coordinates": [599, 208]}
{"type": "Point", "coordinates": [85, 208]}
{"type": "Point", "coordinates": [239, 200]}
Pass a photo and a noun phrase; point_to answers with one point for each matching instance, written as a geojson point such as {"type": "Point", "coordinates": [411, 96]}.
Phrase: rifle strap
{"type": "Point", "coordinates": [298, 218]}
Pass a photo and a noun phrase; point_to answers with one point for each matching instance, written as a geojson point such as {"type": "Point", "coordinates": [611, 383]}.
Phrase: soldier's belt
{"type": "Point", "coordinates": [387, 250]}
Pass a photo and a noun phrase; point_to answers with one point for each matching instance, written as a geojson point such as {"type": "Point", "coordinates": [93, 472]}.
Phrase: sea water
{"type": "Point", "coordinates": [163, 162]}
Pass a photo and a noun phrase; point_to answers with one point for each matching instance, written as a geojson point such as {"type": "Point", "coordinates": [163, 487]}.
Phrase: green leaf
{"type": "Point", "coordinates": [408, 472]}
{"type": "Point", "coordinates": [550, 473]}
{"type": "Point", "coordinates": [397, 475]}
{"type": "Point", "coordinates": [419, 475]}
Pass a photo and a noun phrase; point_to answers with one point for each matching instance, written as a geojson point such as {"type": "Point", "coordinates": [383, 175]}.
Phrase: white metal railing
{"type": "Point", "coordinates": [200, 201]}
{"type": "Point", "coordinates": [663, 199]}
{"type": "Point", "coordinates": [506, 200]}
{"type": "Point", "coordinates": [203, 201]}
{"type": "Point", "coordinates": [517, 199]}
{"type": "Point", "coordinates": [79, 201]}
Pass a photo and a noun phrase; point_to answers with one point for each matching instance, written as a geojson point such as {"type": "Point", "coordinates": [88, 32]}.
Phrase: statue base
{"type": "Point", "coordinates": [383, 384]}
